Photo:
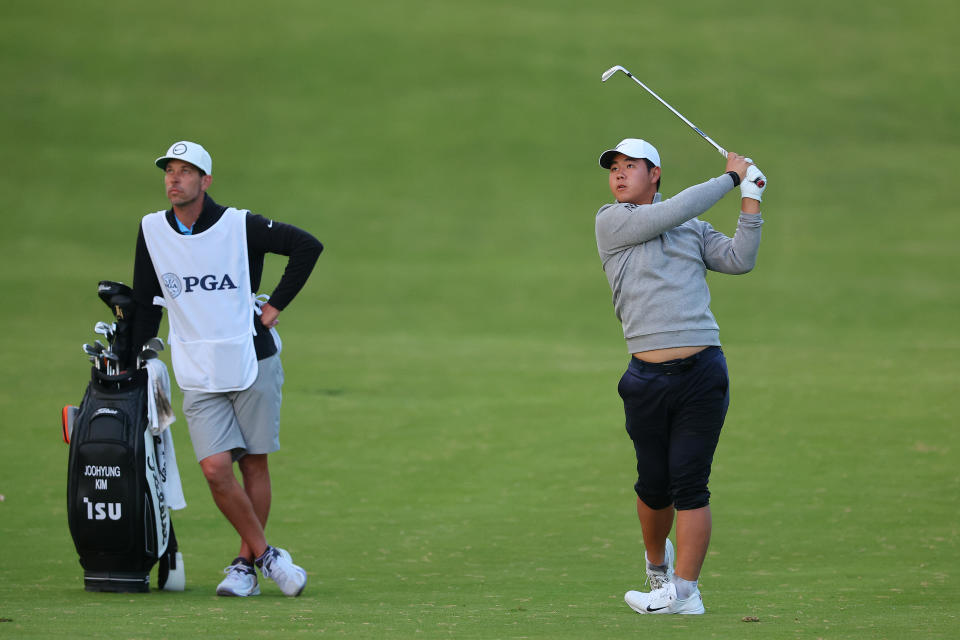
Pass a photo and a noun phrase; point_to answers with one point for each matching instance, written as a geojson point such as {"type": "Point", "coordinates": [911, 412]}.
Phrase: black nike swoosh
{"type": "Point", "coordinates": [651, 610]}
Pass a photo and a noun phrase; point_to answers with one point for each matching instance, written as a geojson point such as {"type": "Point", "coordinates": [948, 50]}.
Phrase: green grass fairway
{"type": "Point", "coordinates": [454, 462]}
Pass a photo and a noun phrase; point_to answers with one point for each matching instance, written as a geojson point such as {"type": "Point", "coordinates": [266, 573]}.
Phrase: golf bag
{"type": "Point", "coordinates": [118, 517]}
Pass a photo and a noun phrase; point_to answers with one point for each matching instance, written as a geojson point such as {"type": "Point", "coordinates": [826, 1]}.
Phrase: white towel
{"type": "Point", "coordinates": [159, 406]}
{"type": "Point", "coordinates": [160, 416]}
{"type": "Point", "coordinates": [172, 488]}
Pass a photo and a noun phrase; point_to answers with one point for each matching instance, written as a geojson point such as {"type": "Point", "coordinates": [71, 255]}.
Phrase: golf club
{"type": "Point", "coordinates": [154, 343]}
{"type": "Point", "coordinates": [103, 329]}
{"type": "Point", "coordinates": [94, 353]}
{"type": "Point", "coordinates": [113, 363]}
{"type": "Point", "coordinates": [612, 70]}
{"type": "Point", "coordinates": [143, 356]}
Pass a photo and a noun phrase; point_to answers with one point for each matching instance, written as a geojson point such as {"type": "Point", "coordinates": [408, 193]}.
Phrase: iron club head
{"type": "Point", "coordinates": [103, 328]}
{"type": "Point", "coordinates": [612, 70]}
{"type": "Point", "coordinates": [144, 355]}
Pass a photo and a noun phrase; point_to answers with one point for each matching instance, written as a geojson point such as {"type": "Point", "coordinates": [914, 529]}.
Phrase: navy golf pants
{"type": "Point", "coordinates": [674, 412]}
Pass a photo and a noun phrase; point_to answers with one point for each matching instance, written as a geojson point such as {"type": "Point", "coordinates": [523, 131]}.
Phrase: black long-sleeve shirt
{"type": "Point", "coordinates": [263, 236]}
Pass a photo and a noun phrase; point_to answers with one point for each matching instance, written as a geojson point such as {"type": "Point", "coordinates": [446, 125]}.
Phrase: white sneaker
{"type": "Point", "coordinates": [276, 564]}
{"type": "Point", "coordinates": [241, 580]}
{"type": "Point", "coordinates": [664, 600]}
{"type": "Point", "coordinates": [658, 578]}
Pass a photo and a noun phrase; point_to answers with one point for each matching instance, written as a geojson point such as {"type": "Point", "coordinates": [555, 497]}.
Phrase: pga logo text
{"type": "Point", "coordinates": [188, 284]}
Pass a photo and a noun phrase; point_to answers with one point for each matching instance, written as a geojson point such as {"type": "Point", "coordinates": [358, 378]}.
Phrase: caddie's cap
{"type": "Point", "coordinates": [188, 152]}
{"type": "Point", "coordinates": [632, 148]}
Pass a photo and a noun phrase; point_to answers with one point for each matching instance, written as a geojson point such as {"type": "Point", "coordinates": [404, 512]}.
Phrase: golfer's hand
{"type": "Point", "coordinates": [738, 163]}
{"type": "Point", "coordinates": [268, 315]}
{"type": "Point", "coordinates": [753, 184]}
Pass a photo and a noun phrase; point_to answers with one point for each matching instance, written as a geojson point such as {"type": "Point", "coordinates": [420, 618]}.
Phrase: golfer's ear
{"type": "Point", "coordinates": [205, 181]}
{"type": "Point", "coordinates": [654, 174]}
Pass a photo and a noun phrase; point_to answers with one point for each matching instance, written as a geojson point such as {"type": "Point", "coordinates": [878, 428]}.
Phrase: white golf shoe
{"type": "Point", "coordinates": [241, 580]}
{"type": "Point", "coordinates": [657, 578]}
{"type": "Point", "coordinates": [277, 565]}
{"type": "Point", "coordinates": [664, 600]}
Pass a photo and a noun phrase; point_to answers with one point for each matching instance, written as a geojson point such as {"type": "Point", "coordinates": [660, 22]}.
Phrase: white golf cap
{"type": "Point", "coordinates": [188, 152]}
{"type": "Point", "coordinates": [632, 148]}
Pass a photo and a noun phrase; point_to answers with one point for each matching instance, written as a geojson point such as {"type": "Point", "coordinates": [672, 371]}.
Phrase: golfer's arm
{"type": "Point", "coordinates": [749, 205]}
{"type": "Point", "coordinates": [620, 226]}
{"type": "Point", "coordinates": [736, 255]}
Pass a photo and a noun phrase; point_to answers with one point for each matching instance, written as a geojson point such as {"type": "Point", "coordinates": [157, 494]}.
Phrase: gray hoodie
{"type": "Point", "coordinates": [656, 257]}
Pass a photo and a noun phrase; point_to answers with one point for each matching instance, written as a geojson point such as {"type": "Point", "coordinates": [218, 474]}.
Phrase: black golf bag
{"type": "Point", "coordinates": [116, 510]}
{"type": "Point", "coordinates": [118, 518]}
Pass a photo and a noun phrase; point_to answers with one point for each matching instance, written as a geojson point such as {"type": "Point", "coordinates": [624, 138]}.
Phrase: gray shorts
{"type": "Point", "coordinates": [241, 422]}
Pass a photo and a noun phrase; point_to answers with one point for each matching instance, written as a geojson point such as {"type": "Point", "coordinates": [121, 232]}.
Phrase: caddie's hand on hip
{"type": "Point", "coordinates": [268, 315]}
{"type": "Point", "coordinates": [738, 163]}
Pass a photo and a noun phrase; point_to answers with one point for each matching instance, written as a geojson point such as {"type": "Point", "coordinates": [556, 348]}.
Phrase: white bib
{"type": "Point", "coordinates": [206, 288]}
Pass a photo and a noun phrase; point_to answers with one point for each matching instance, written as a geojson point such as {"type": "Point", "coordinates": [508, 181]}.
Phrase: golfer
{"type": "Point", "coordinates": [675, 390]}
{"type": "Point", "coordinates": [206, 261]}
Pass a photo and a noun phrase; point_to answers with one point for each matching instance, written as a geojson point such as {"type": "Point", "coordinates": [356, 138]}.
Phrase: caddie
{"type": "Point", "coordinates": [675, 391]}
{"type": "Point", "coordinates": [206, 262]}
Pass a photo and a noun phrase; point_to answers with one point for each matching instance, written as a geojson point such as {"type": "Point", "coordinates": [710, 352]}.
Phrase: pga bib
{"type": "Point", "coordinates": [206, 288]}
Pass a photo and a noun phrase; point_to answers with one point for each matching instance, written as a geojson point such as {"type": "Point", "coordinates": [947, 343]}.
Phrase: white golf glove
{"type": "Point", "coordinates": [754, 184]}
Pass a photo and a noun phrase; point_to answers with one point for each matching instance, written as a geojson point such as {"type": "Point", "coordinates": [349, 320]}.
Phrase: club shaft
{"type": "Point", "coordinates": [722, 151]}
